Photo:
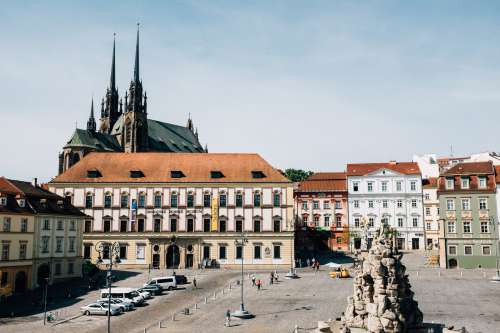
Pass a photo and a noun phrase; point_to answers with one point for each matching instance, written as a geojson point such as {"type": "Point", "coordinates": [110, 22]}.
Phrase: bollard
{"type": "Point", "coordinates": [173, 317]}
{"type": "Point", "coordinates": [222, 291]}
{"type": "Point", "coordinates": [296, 329]}
{"type": "Point", "coordinates": [206, 301]}
{"type": "Point", "coordinates": [215, 295]}
{"type": "Point", "coordinates": [484, 274]}
{"type": "Point", "coordinates": [159, 324]}
{"type": "Point", "coordinates": [145, 330]}
{"type": "Point", "coordinates": [439, 273]}
{"type": "Point", "coordinates": [417, 273]}
{"type": "Point", "coordinates": [461, 273]}
{"type": "Point", "coordinates": [229, 286]}
{"type": "Point", "coordinates": [196, 306]}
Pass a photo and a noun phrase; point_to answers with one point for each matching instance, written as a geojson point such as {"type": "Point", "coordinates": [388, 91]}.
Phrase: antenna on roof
{"type": "Point", "coordinates": [451, 150]}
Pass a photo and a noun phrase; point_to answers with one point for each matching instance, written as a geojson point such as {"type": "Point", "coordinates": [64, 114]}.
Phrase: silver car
{"type": "Point", "coordinates": [123, 306]}
{"type": "Point", "coordinates": [100, 309]}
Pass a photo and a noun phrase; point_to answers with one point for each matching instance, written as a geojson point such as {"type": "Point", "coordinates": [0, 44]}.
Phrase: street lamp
{"type": "Point", "coordinates": [496, 278]}
{"type": "Point", "coordinates": [45, 300]}
{"type": "Point", "coordinates": [172, 242]}
{"type": "Point", "coordinates": [242, 313]}
{"type": "Point", "coordinates": [113, 250]}
{"type": "Point", "coordinates": [292, 274]}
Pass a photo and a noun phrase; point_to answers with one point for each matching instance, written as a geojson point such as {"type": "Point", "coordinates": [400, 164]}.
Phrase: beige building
{"type": "Point", "coordinates": [40, 236]}
{"type": "Point", "coordinates": [431, 213]}
{"type": "Point", "coordinates": [182, 210]}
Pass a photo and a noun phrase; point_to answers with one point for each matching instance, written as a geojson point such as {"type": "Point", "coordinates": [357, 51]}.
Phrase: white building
{"type": "Point", "coordinates": [431, 213]}
{"type": "Point", "coordinates": [428, 165]}
{"type": "Point", "coordinates": [389, 192]}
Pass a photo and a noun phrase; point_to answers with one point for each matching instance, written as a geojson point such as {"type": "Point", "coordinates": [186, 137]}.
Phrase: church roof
{"type": "Point", "coordinates": [95, 140]}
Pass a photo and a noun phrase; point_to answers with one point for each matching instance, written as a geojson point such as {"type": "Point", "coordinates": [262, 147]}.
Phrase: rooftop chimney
{"type": "Point", "coordinates": [35, 182]}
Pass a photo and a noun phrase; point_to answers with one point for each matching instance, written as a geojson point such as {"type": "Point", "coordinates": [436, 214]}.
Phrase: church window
{"type": "Point", "coordinates": [128, 133]}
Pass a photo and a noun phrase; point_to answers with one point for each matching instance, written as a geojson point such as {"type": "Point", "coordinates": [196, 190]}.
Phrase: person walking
{"type": "Point", "coordinates": [194, 283]}
{"type": "Point", "coordinates": [308, 261]}
{"type": "Point", "coordinates": [228, 319]}
{"type": "Point", "coordinates": [253, 280]}
{"type": "Point", "coordinates": [259, 282]}
{"type": "Point", "coordinates": [271, 278]}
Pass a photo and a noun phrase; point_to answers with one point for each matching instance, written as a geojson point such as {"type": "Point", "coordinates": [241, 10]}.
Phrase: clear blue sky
{"type": "Point", "coordinates": [307, 84]}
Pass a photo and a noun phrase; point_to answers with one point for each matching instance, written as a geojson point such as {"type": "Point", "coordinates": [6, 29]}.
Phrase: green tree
{"type": "Point", "coordinates": [297, 175]}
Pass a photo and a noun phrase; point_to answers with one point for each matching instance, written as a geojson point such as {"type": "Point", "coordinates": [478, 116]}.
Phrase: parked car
{"type": "Point", "coordinates": [144, 294]}
{"type": "Point", "coordinates": [154, 289]}
{"type": "Point", "coordinates": [181, 279]}
{"type": "Point", "coordinates": [118, 302]}
{"type": "Point", "coordinates": [128, 293]}
{"type": "Point", "coordinates": [166, 282]}
{"type": "Point", "coordinates": [100, 309]}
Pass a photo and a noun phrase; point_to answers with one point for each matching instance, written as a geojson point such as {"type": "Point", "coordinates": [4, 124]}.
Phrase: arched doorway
{"type": "Point", "coordinates": [20, 282]}
{"type": "Point", "coordinates": [43, 273]}
{"type": "Point", "coordinates": [173, 257]}
{"type": "Point", "coordinates": [189, 257]}
{"type": "Point", "coordinates": [452, 263]}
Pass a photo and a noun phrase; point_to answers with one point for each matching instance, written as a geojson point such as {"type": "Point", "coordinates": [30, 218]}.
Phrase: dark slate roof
{"type": "Point", "coordinates": [94, 140]}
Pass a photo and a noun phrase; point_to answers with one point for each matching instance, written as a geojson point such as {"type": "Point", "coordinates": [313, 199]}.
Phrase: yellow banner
{"type": "Point", "coordinates": [215, 214]}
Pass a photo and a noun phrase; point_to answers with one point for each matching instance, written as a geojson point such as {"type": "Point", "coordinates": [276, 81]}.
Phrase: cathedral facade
{"type": "Point", "coordinates": [125, 126]}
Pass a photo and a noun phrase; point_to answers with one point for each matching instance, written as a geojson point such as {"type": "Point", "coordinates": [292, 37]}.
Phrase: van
{"type": "Point", "coordinates": [124, 293]}
{"type": "Point", "coordinates": [166, 282]}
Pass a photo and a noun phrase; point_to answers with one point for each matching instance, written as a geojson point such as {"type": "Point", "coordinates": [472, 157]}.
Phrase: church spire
{"type": "Point", "coordinates": [136, 66]}
{"type": "Point", "coordinates": [91, 125]}
{"type": "Point", "coordinates": [112, 83]}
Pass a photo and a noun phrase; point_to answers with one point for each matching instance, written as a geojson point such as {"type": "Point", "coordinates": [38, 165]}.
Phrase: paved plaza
{"type": "Point", "coordinates": [461, 298]}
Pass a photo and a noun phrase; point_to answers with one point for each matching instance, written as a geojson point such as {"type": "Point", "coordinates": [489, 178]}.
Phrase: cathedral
{"type": "Point", "coordinates": [125, 126]}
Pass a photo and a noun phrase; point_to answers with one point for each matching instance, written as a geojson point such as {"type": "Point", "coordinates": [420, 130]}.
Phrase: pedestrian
{"type": "Point", "coordinates": [317, 265]}
{"type": "Point", "coordinates": [194, 283]}
{"type": "Point", "coordinates": [258, 284]}
{"type": "Point", "coordinates": [308, 261]}
{"type": "Point", "coordinates": [253, 280]}
{"type": "Point", "coordinates": [276, 277]}
{"type": "Point", "coordinates": [271, 278]}
{"type": "Point", "coordinates": [228, 319]}
{"type": "Point", "coordinates": [313, 262]}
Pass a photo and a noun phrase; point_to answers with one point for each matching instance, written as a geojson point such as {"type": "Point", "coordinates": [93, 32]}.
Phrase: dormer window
{"type": "Point", "coordinates": [216, 174]}
{"type": "Point", "coordinates": [464, 183]}
{"type": "Point", "coordinates": [449, 183]}
{"type": "Point", "coordinates": [136, 174]}
{"type": "Point", "coordinates": [21, 202]}
{"type": "Point", "coordinates": [482, 182]}
{"type": "Point", "coordinates": [177, 174]}
{"type": "Point", "coordinates": [257, 174]}
{"type": "Point", "coordinates": [43, 203]}
{"type": "Point", "coordinates": [93, 173]}
{"type": "Point", "coordinates": [60, 203]}
{"type": "Point", "coordinates": [3, 201]}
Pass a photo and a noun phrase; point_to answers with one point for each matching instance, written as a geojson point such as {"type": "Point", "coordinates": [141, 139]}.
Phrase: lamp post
{"type": "Point", "coordinates": [292, 274]}
{"type": "Point", "coordinates": [45, 300]}
{"type": "Point", "coordinates": [113, 250]}
{"type": "Point", "coordinates": [496, 278]}
{"type": "Point", "coordinates": [172, 243]}
{"type": "Point", "coordinates": [242, 313]}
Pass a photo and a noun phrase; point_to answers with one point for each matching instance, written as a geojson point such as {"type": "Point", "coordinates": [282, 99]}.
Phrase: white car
{"type": "Point", "coordinates": [166, 282]}
{"type": "Point", "coordinates": [123, 293]}
{"type": "Point", "coordinates": [125, 306]}
{"type": "Point", "coordinates": [144, 294]}
{"type": "Point", "coordinates": [100, 309]}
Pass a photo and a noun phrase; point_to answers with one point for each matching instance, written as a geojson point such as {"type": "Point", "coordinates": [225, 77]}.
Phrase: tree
{"type": "Point", "coordinates": [297, 175]}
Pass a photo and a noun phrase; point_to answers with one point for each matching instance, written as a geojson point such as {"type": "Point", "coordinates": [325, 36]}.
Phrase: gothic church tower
{"type": "Point", "coordinates": [109, 105]}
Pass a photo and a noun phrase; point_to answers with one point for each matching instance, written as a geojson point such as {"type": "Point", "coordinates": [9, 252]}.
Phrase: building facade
{"type": "Point", "coordinates": [467, 199]}
{"type": "Point", "coordinates": [41, 236]}
{"type": "Point", "coordinates": [125, 125]}
{"type": "Point", "coordinates": [431, 213]}
{"type": "Point", "coordinates": [182, 210]}
{"type": "Point", "coordinates": [321, 204]}
{"type": "Point", "coordinates": [388, 193]}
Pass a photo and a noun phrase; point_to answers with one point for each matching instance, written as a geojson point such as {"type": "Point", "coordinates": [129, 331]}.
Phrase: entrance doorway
{"type": "Point", "coordinates": [156, 261]}
{"type": "Point", "coordinates": [357, 243]}
{"type": "Point", "coordinates": [452, 263]}
{"type": "Point", "coordinates": [415, 243]}
{"type": "Point", "coordinates": [400, 243]}
{"type": "Point", "coordinates": [189, 260]}
{"type": "Point", "coordinates": [43, 273]}
{"type": "Point", "coordinates": [20, 282]}
{"type": "Point", "coordinates": [173, 256]}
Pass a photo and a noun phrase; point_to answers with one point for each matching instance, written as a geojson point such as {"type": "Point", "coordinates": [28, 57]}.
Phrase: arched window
{"type": "Point", "coordinates": [174, 199]}
{"type": "Point", "coordinates": [124, 200]}
{"type": "Point", "coordinates": [207, 200]}
{"type": "Point", "coordinates": [89, 200]}
{"type": "Point", "coordinates": [128, 131]}
{"type": "Point", "coordinates": [222, 199]}
{"type": "Point", "coordinates": [276, 199]}
{"type": "Point", "coordinates": [257, 227]}
{"type": "Point", "coordinates": [256, 199]}
{"type": "Point", "coordinates": [157, 200]}
{"type": "Point", "coordinates": [107, 200]}
{"type": "Point", "coordinates": [142, 200]}
{"type": "Point", "coordinates": [190, 200]}
{"type": "Point", "coordinates": [239, 199]}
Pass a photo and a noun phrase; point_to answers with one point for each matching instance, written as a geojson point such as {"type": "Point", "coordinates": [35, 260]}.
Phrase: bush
{"type": "Point", "coordinates": [89, 269]}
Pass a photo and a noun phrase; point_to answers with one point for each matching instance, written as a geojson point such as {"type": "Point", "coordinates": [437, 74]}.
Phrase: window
{"type": "Point", "coordinates": [239, 199]}
{"type": "Point", "coordinates": [415, 222]}
{"type": "Point", "coordinates": [71, 268]}
{"type": "Point", "coordinates": [239, 226]}
{"type": "Point", "coordinates": [438, 211]}
{"type": "Point", "coordinates": [276, 252]}
{"type": "Point", "coordinates": [371, 222]}
{"type": "Point", "coordinates": [427, 211]}
{"type": "Point", "coordinates": [486, 250]}
{"type": "Point", "coordinates": [190, 225]}
{"type": "Point", "coordinates": [465, 204]}
{"type": "Point", "coordinates": [400, 222]}
{"type": "Point", "coordinates": [257, 252]}
{"type": "Point", "coordinates": [46, 224]}
{"type": "Point", "coordinates": [22, 250]}
{"type": "Point", "coordinates": [451, 227]}
{"type": "Point", "coordinates": [305, 218]}
{"type": "Point", "coordinates": [452, 250]}
{"type": "Point", "coordinates": [24, 225]}
{"type": "Point", "coordinates": [71, 244]}
{"type": "Point", "coordinates": [339, 240]}
{"type": "Point", "coordinates": [355, 186]}
{"type": "Point", "coordinates": [222, 225]}
{"type": "Point", "coordinates": [142, 200]}
{"type": "Point", "coordinates": [450, 204]}
{"type": "Point", "coordinates": [256, 199]}
{"type": "Point", "coordinates": [356, 203]}
{"type": "Point", "coordinates": [5, 251]}
{"type": "Point", "coordinates": [105, 251]}
{"type": "Point", "coordinates": [4, 279]}
{"type": "Point", "coordinates": [427, 196]}
{"type": "Point", "coordinates": [315, 204]}
{"type": "Point", "coordinates": [206, 252]}
{"type": "Point", "coordinates": [173, 200]}
{"type": "Point", "coordinates": [3, 201]}
{"type": "Point", "coordinates": [157, 225]}
{"type": "Point", "coordinates": [304, 204]}
{"type": "Point", "coordinates": [124, 201]}
{"type": "Point", "coordinates": [107, 200]}
{"type": "Point", "coordinates": [173, 225]}
{"type": "Point", "coordinates": [428, 226]}
{"type": "Point", "coordinates": [207, 200]}
{"type": "Point", "coordinates": [370, 203]}
{"type": "Point", "coordinates": [239, 252]}
{"type": "Point", "coordinates": [88, 226]}
{"type": "Point", "coordinates": [276, 199]}
{"type": "Point", "coordinates": [338, 204]}
{"type": "Point", "coordinates": [6, 224]}
{"type": "Point", "coordinates": [485, 228]}
{"type": "Point", "coordinates": [327, 221]}
{"type": "Point", "coordinates": [222, 252]}
{"type": "Point", "coordinates": [89, 200]}
{"type": "Point", "coordinates": [413, 203]}
{"type": "Point", "coordinates": [222, 200]}
{"type": "Point", "coordinates": [316, 220]}
{"type": "Point", "coordinates": [482, 182]}
{"type": "Point", "coordinates": [338, 221]}
{"type": "Point", "coordinates": [467, 228]}
{"type": "Point", "coordinates": [87, 251]}
{"type": "Point", "coordinates": [384, 186]}
{"type": "Point", "coordinates": [277, 225]}
{"type": "Point", "coordinates": [468, 250]}
{"type": "Point", "coordinates": [140, 225]}
{"type": "Point", "coordinates": [413, 185]}
{"type": "Point", "coordinates": [399, 186]}
{"type": "Point", "coordinates": [206, 225]}
{"type": "Point", "coordinates": [107, 225]}
{"type": "Point", "coordinates": [449, 183]}
{"type": "Point", "coordinates": [157, 200]}
{"type": "Point", "coordinates": [45, 244]}
{"type": "Point", "coordinates": [483, 204]}
{"type": "Point", "coordinates": [60, 225]}
{"type": "Point", "coordinates": [370, 186]}
{"type": "Point", "coordinates": [123, 251]}
{"type": "Point", "coordinates": [190, 200]}
{"type": "Point", "coordinates": [123, 225]}
{"type": "Point", "coordinates": [385, 204]}
{"type": "Point", "coordinates": [326, 204]}
{"type": "Point", "coordinates": [356, 222]}
{"type": "Point", "coordinates": [176, 174]}
{"type": "Point", "coordinates": [464, 183]}
{"type": "Point", "coordinates": [72, 225]}
{"type": "Point", "coordinates": [59, 244]}
{"type": "Point", "coordinates": [256, 225]}
{"type": "Point", "coordinates": [258, 174]}
{"type": "Point", "coordinates": [57, 269]}
{"type": "Point", "coordinates": [139, 252]}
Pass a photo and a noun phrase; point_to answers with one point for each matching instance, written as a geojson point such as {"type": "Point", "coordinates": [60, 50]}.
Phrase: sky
{"type": "Point", "coordinates": [306, 84]}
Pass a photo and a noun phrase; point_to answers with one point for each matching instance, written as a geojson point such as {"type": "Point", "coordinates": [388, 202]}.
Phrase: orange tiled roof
{"type": "Point", "coordinates": [361, 169]}
{"type": "Point", "coordinates": [327, 176]}
{"type": "Point", "coordinates": [7, 187]}
{"type": "Point", "coordinates": [157, 167]}
{"type": "Point", "coordinates": [431, 182]}
{"type": "Point", "coordinates": [324, 182]}
{"type": "Point", "coordinates": [468, 168]}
